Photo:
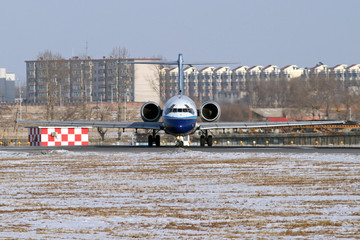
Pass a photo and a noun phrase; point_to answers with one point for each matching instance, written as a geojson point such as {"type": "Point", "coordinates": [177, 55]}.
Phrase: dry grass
{"type": "Point", "coordinates": [151, 197]}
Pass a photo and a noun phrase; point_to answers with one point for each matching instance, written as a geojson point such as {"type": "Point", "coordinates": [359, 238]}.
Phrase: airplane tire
{"type": "Point", "coordinates": [157, 140]}
{"type": "Point", "coordinates": [181, 144]}
{"type": "Point", "coordinates": [210, 141]}
{"type": "Point", "coordinates": [150, 141]}
{"type": "Point", "coordinates": [202, 141]}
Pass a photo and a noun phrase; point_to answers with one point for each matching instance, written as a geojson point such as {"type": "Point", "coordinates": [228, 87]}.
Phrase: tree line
{"type": "Point", "coordinates": [311, 95]}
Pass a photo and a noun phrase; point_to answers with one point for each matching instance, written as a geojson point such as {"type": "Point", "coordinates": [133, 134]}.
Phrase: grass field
{"type": "Point", "coordinates": [179, 195]}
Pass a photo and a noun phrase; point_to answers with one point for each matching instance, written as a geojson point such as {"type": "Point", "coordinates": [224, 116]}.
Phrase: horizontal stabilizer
{"type": "Point", "coordinates": [151, 62]}
{"type": "Point", "coordinates": [209, 63]}
{"type": "Point", "coordinates": [176, 63]}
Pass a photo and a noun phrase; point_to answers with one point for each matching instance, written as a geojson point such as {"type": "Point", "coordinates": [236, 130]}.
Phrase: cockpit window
{"type": "Point", "coordinates": [175, 110]}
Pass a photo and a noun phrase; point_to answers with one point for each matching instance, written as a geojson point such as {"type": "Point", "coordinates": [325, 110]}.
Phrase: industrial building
{"type": "Point", "coordinates": [7, 86]}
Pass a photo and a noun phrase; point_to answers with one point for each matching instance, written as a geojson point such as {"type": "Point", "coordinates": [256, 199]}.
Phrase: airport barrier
{"type": "Point", "coordinates": [306, 139]}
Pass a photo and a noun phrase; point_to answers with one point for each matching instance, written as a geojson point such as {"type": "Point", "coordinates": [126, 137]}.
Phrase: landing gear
{"type": "Point", "coordinates": [202, 141]}
{"type": "Point", "coordinates": [150, 140]}
{"type": "Point", "coordinates": [157, 140]}
{"type": "Point", "coordinates": [154, 139]}
{"type": "Point", "coordinates": [183, 141]}
{"type": "Point", "coordinates": [179, 143]}
{"type": "Point", "coordinates": [206, 139]}
{"type": "Point", "coordinates": [209, 141]}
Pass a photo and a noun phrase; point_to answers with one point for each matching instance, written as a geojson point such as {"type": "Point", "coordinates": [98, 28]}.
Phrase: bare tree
{"type": "Point", "coordinates": [102, 114]}
{"type": "Point", "coordinates": [48, 55]}
{"type": "Point", "coordinates": [120, 52]}
{"type": "Point", "coordinates": [158, 80]}
{"type": "Point", "coordinates": [123, 78]}
{"type": "Point", "coordinates": [349, 100]}
{"type": "Point", "coordinates": [234, 112]}
{"type": "Point", "coordinates": [53, 67]}
{"type": "Point", "coordinates": [324, 91]}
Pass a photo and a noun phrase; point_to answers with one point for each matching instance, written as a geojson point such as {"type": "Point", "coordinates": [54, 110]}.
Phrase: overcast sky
{"type": "Point", "coordinates": [254, 32]}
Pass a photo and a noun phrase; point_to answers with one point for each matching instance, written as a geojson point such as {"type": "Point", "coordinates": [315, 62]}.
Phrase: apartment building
{"type": "Point", "coordinates": [108, 79]}
{"type": "Point", "coordinates": [206, 84]}
{"type": "Point", "coordinates": [270, 72]}
{"type": "Point", "coordinates": [91, 80]}
{"type": "Point", "coordinates": [224, 84]}
{"type": "Point", "coordinates": [290, 72]}
{"type": "Point", "coordinates": [238, 79]}
{"type": "Point", "coordinates": [352, 77]}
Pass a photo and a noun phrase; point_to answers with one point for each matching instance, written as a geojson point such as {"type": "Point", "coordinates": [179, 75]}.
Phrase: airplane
{"type": "Point", "coordinates": [180, 115]}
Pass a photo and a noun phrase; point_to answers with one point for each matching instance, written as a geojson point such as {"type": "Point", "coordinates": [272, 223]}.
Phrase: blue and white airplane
{"type": "Point", "coordinates": [180, 116]}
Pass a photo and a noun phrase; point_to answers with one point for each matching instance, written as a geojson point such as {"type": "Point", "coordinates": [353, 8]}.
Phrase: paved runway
{"type": "Point", "coordinates": [217, 149]}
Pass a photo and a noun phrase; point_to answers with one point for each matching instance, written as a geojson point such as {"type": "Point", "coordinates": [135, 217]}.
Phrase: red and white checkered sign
{"type": "Point", "coordinates": [64, 136]}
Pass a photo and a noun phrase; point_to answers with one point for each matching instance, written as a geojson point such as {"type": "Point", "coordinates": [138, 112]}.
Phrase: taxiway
{"type": "Point", "coordinates": [217, 149]}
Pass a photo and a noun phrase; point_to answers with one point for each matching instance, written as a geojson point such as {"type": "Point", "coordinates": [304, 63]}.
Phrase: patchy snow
{"type": "Point", "coordinates": [179, 194]}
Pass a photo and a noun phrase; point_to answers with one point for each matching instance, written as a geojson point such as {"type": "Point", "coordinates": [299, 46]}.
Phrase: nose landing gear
{"type": "Point", "coordinates": [182, 141]}
{"type": "Point", "coordinates": [179, 143]}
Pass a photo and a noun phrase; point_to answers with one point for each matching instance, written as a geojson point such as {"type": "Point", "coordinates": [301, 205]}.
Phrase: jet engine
{"type": "Point", "coordinates": [150, 112]}
{"type": "Point", "coordinates": [210, 111]}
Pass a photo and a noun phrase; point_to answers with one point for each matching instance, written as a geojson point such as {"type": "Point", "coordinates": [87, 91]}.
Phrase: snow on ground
{"type": "Point", "coordinates": [179, 195]}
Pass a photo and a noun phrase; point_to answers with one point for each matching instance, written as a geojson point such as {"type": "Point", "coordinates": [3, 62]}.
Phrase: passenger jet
{"type": "Point", "coordinates": [180, 116]}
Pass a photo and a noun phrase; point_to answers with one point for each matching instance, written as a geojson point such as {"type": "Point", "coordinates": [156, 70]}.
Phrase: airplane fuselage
{"type": "Point", "coordinates": [180, 115]}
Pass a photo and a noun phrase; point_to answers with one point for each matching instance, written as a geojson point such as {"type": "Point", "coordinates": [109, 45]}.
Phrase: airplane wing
{"type": "Point", "coordinates": [136, 125]}
{"type": "Point", "coordinates": [247, 125]}
{"type": "Point", "coordinates": [201, 125]}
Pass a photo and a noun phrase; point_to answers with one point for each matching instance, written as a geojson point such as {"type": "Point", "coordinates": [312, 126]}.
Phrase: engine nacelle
{"type": "Point", "coordinates": [210, 111]}
{"type": "Point", "coordinates": [150, 112]}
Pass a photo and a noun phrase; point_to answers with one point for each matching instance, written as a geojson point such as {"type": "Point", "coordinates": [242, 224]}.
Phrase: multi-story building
{"type": "Point", "coordinates": [270, 72]}
{"type": "Point", "coordinates": [352, 78]}
{"type": "Point", "coordinates": [238, 80]}
{"type": "Point", "coordinates": [349, 76]}
{"type": "Point", "coordinates": [320, 70]}
{"type": "Point", "coordinates": [206, 84]}
{"type": "Point", "coordinates": [172, 86]}
{"type": "Point", "coordinates": [91, 80]}
{"type": "Point", "coordinates": [191, 82]}
{"type": "Point", "coordinates": [108, 79]}
{"type": "Point", "coordinates": [290, 72]}
{"type": "Point", "coordinates": [7, 86]}
{"type": "Point", "coordinates": [223, 84]}
{"type": "Point", "coordinates": [338, 72]}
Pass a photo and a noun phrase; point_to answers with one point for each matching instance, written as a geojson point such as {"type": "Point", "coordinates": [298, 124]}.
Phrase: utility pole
{"type": "Point", "coordinates": [34, 92]}
{"type": "Point", "coordinates": [126, 94]}
{"type": "Point", "coordinates": [83, 91]}
{"type": "Point", "coordinates": [119, 95]}
{"type": "Point", "coordinates": [20, 104]}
